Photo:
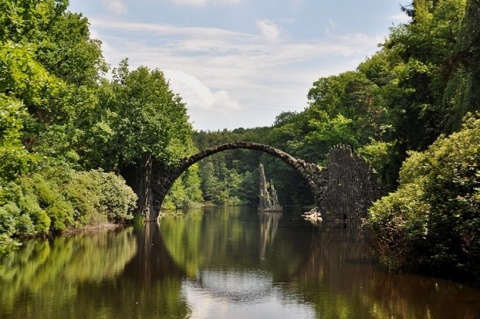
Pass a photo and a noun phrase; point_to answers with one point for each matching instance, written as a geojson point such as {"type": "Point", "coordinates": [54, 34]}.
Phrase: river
{"type": "Point", "coordinates": [225, 262]}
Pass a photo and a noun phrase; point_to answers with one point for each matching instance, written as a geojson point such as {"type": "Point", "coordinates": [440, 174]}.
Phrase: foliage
{"type": "Point", "coordinates": [50, 64]}
{"type": "Point", "coordinates": [432, 220]}
{"type": "Point", "coordinates": [100, 197]}
{"type": "Point", "coordinates": [139, 120]}
{"type": "Point", "coordinates": [466, 61]}
{"type": "Point", "coordinates": [185, 192]}
{"type": "Point", "coordinates": [14, 158]}
{"type": "Point", "coordinates": [137, 115]}
{"type": "Point", "coordinates": [425, 86]}
{"type": "Point", "coordinates": [378, 155]}
{"type": "Point", "coordinates": [41, 203]}
{"type": "Point", "coordinates": [59, 118]}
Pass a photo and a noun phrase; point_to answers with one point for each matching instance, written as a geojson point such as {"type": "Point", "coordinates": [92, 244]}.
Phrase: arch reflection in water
{"type": "Point", "coordinates": [235, 285]}
{"type": "Point", "coordinates": [307, 272]}
{"type": "Point", "coordinates": [242, 294]}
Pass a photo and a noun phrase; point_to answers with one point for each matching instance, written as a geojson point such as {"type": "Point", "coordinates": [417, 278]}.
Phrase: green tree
{"type": "Point", "coordinates": [424, 48]}
{"type": "Point", "coordinates": [14, 157]}
{"type": "Point", "coordinates": [466, 61]}
{"type": "Point", "coordinates": [431, 222]}
{"type": "Point", "coordinates": [49, 70]}
{"type": "Point", "coordinates": [138, 120]}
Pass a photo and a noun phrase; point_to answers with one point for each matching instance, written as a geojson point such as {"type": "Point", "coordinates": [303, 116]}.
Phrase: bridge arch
{"type": "Point", "coordinates": [164, 177]}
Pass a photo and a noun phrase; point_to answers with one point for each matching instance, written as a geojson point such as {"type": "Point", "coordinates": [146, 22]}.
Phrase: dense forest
{"type": "Point", "coordinates": [71, 137]}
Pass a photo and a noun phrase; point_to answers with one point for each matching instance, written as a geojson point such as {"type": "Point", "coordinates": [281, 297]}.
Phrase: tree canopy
{"type": "Point", "coordinates": [67, 131]}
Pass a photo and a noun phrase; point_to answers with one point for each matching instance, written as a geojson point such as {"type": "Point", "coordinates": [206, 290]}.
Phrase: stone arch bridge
{"type": "Point", "coordinates": [342, 181]}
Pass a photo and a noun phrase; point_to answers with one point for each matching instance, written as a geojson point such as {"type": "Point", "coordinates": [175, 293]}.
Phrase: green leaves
{"type": "Point", "coordinates": [27, 19]}
{"type": "Point", "coordinates": [22, 76]}
{"type": "Point", "coordinates": [55, 201]}
{"type": "Point", "coordinates": [142, 116]}
{"type": "Point", "coordinates": [435, 211]}
{"type": "Point", "coordinates": [14, 157]}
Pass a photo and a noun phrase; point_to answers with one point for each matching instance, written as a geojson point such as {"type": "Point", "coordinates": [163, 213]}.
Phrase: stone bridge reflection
{"type": "Point", "coordinates": [200, 250]}
{"type": "Point", "coordinates": [206, 265]}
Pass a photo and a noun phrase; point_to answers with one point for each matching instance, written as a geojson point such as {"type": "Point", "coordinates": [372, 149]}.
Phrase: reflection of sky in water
{"type": "Point", "coordinates": [239, 294]}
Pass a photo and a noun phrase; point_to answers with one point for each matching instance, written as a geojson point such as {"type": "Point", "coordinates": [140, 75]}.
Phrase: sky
{"type": "Point", "coordinates": [240, 63]}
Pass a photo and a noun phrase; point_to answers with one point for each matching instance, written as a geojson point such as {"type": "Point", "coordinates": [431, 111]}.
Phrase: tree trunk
{"type": "Point", "coordinates": [139, 178]}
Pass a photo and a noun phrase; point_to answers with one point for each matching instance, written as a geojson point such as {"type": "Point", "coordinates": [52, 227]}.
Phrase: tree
{"type": "Point", "coordinates": [51, 65]}
{"type": "Point", "coordinates": [138, 120]}
{"type": "Point", "coordinates": [425, 47]}
{"type": "Point", "coordinates": [14, 157]}
{"type": "Point", "coordinates": [431, 222]}
{"type": "Point", "coordinates": [468, 56]}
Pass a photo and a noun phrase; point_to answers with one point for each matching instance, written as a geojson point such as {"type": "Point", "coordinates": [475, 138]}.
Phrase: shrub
{"type": "Point", "coordinates": [85, 196]}
{"type": "Point", "coordinates": [117, 200]}
{"type": "Point", "coordinates": [21, 212]}
{"type": "Point", "coordinates": [51, 199]}
{"type": "Point", "coordinates": [55, 200]}
{"type": "Point", "coordinates": [397, 222]}
{"type": "Point", "coordinates": [8, 218]}
{"type": "Point", "coordinates": [432, 222]}
{"type": "Point", "coordinates": [40, 219]}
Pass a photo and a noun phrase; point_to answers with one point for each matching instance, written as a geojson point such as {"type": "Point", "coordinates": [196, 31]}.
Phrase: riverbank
{"type": "Point", "coordinates": [94, 228]}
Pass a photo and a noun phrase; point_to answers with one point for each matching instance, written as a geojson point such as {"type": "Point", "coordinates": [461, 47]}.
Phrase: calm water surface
{"type": "Point", "coordinates": [219, 263]}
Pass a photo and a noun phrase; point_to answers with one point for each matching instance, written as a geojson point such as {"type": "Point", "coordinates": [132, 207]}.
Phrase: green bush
{"type": "Point", "coordinates": [397, 223]}
{"type": "Point", "coordinates": [55, 200]}
{"type": "Point", "coordinates": [432, 222]}
{"type": "Point", "coordinates": [117, 200]}
{"type": "Point", "coordinates": [8, 218]}
{"type": "Point", "coordinates": [84, 194]}
{"type": "Point", "coordinates": [41, 221]}
{"type": "Point", "coordinates": [20, 215]}
{"type": "Point", "coordinates": [51, 199]}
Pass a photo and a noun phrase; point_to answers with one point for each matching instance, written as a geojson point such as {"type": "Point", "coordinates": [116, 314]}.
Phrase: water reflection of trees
{"type": "Point", "coordinates": [142, 273]}
{"type": "Point", "coordinates": [332, 271]}
{"type": "Point", "coordinates": [124, 274]}
{"type": "Point", "coordinates": [342, 282]}
{"type": "Point", "coordinates": [43, 270]}
{"type": "Point", "coordinates": [234, 239]}
{"type": "Point", "coordinates": [150, 286]}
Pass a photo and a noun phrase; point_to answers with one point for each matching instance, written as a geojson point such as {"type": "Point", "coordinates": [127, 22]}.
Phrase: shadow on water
{"type": "Point", "coordinates": [116, 274]}
{"type": "Point", "coordinates": [149, 287]}
{"type": "Point", "coordinates": [345, 282]}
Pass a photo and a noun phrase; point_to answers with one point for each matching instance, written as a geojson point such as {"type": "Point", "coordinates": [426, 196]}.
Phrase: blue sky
{"type": "Point", "coordinates": [240, 63]}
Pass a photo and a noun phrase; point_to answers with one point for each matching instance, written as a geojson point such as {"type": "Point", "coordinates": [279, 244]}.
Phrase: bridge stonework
{"type": "Point", "coordinates": [349, 187]}
{"type": "Point", "coordinates": [320, 180]}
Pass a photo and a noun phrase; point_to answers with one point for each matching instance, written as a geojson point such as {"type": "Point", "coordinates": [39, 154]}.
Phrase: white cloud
{"type": "Point", "coordinates": [116, 6]}
{"type": "Point", "coordinates": [232, 79]}
{"type": "Point", "coordinates": [269, 30]}
{"type": "Point", "coordinates": [401, 18]}
{"type": "Point", "coordinates": [200, 3]}
{"type": "Point", "coordinates": [164, 29]}
{"type": "Point", "coordinates": [197, 95]}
